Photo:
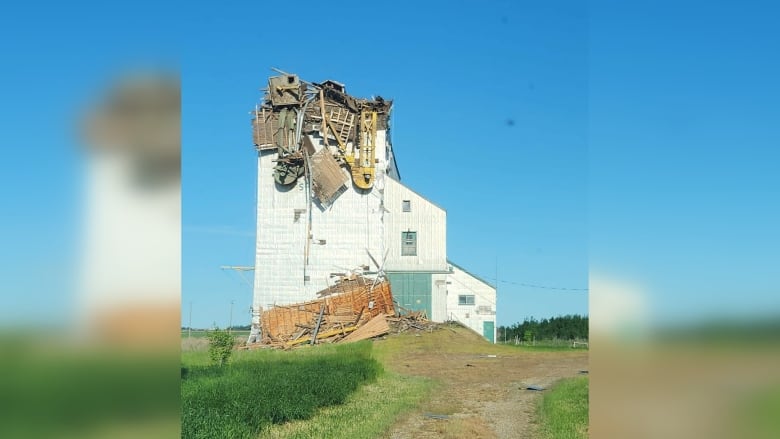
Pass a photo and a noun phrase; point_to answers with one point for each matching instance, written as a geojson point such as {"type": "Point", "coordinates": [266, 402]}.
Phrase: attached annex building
{"type": "Point", "coordinates": [330, 202]}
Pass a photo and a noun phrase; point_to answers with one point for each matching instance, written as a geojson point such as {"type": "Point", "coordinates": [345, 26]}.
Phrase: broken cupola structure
{"type": "Point", "coordinates": [331, 205]}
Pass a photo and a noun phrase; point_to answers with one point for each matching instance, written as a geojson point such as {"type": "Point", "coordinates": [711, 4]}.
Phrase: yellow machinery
{"type": "Point", "coordinates": [361, 159]}
{"type": "Point", "coordinates": [363, 162]}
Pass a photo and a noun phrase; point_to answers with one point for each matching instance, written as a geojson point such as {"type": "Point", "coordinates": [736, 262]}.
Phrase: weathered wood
{"type": "Point", "coordinates": [322, 336]}
{"type": "Point", "coordinates": [317, 326]}
{"type": "Point", "coordinates": [373, 328]}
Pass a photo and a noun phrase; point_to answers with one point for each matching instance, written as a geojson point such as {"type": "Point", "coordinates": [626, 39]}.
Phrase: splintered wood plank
{"type": "Point", "coordinates": [374, 328]}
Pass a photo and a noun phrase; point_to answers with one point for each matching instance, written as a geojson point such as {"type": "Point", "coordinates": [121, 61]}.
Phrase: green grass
{"type": "Point", "coordinates": [757, 416]}
{"type": "Point", "coordinates": [546, 346]}
{"type": "Point", "coordinates": [367, 414]}
{"type": "Point", "coordinates": [68, 391]}
{"type": "Point", "coordinates": [563, 411]}
{"type": "Point", "coordinates": [260, 388]}
{"type": "Point", "coordinates": [200, 333]}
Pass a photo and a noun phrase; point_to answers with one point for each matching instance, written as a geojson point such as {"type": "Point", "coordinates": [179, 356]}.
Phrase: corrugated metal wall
{"type": "Point", "coordinates": [482, 313]}
{"type": "Point", "coordinates": [342, 235]}
{"type": "Point", "coordinates": [412, 291]}
{"type": "Point", "coordinates": [425, 218]}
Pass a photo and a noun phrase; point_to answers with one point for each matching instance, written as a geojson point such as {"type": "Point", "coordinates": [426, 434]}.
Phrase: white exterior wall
{"type": "Point", "coordinates": [460, 282]}
{"type": "Point", "coordinates": [439, 297]}
{"type": "Point", "coordinates": [425, 218]}
{"type": "Point", "coordinates": [349, 227]}
{"type": "Point", "coordinates": [356, 223]}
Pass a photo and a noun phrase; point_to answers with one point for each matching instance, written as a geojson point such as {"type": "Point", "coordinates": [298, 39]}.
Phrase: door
{"type": "Point", "coordinates": [488, 331]}
{"type": "Point", "coordinates": [412, 290]}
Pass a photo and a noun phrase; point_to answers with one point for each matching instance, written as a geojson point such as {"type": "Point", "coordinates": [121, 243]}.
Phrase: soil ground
{"type": "Point", "coordinates": [482, 387]}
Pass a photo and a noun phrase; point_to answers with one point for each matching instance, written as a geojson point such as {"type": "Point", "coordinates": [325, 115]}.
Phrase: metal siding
{"type": "Point", "coordinates": [462, 283]}
{"type": "Point", "coordinates": [425, 218]}
{"type": "Point", "coordinates": [412, 291]}
{"type": "Point", "coordinates": [351, 227]}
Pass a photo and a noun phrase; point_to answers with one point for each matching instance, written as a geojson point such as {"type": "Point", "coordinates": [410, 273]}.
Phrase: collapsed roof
{"type": "Point", "coordinates": [293, 112]}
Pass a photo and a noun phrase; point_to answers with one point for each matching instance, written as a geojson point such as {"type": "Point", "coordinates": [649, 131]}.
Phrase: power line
{"type": "Point", "coordinates": [530, 285]}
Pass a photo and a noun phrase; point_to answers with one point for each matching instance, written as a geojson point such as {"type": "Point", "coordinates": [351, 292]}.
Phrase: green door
{"type": "Point", "coordinates": [488, 331]}
{"type": "Point", "coordinates": [412, 290]}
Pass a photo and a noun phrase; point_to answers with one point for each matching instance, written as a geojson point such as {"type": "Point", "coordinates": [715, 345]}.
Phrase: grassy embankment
{"type": "Point", "coordinates": [278, 394]}
{"type": "Point", "coordinates": [563, 412]}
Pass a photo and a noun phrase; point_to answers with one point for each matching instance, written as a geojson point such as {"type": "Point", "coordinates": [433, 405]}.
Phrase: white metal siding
{"type": "Point", "coordinates": [341, 235]}
{"type": "Point", "coordinates": [463, 283]}
{"type": "Point", "coordinates": [425, 218]}
{"type": "Point", "coordinates": [439, 298]}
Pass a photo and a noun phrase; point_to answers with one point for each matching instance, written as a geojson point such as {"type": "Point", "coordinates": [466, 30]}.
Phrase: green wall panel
{"type": "Point", "coordinates": [488, 331]}
{"type": "Point", "coordinates": [412, 290]}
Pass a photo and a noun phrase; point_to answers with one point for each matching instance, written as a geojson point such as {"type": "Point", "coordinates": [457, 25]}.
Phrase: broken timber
{"type": "Point", "coordinates": [356, 308]}
{"type": "Point", "coordinates": [323, 120]}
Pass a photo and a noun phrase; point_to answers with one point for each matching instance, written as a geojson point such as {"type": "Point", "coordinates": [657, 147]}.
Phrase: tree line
{"type": "Point", "coordinates": [568, 327]}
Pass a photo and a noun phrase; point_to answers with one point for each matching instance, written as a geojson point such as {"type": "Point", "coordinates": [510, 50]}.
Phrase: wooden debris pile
{"type": "Point", "coordinates": [410, 320]}
{"type": "Point", "coordinates": [353, 310]}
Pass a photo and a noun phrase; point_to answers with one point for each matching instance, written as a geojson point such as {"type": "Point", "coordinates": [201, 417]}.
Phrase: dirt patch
{"type": "Point", "coordinates": [482, 386]}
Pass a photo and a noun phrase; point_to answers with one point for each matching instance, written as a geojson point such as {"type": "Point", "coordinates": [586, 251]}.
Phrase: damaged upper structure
{"type": "Point", "coordinates": [330, 205]}
{"type": "Point", "coordinates": [347, 127]}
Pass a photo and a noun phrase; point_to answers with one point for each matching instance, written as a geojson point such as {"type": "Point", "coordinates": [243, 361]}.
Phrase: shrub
{"type": "Point", "coordinates": [220, 346]}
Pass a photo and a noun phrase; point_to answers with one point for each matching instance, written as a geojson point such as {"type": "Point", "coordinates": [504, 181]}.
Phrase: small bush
{"type": "Point", "coordinates": [220, 346]}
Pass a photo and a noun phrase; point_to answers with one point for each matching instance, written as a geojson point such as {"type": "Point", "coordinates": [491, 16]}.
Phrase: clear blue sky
{"type": "Point", "coordinates": [490, 122]}
{"type": "Point", "coordinates": [637, 142]}
{"type": "Point", "coordinates": [683, 156]}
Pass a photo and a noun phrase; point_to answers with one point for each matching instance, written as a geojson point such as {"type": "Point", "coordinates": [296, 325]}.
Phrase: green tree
{"type": "Point", "coordinates": [220, 346]}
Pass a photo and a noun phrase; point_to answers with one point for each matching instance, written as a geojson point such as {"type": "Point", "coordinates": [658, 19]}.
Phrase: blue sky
{"type": "Point", "coordinates": [489, 122]}
{"type": "Point", "coordinates": [683, 155]}
{"type": "Point", "coordinates": [637, 142]}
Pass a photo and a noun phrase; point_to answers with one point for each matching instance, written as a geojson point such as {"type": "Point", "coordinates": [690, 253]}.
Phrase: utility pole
{"type": "Point", "coordinates": [189, 325]}
{"type": "Point", "coordinates": [230, 325]}
{"type": "Point", "coordinates": [240, 269]}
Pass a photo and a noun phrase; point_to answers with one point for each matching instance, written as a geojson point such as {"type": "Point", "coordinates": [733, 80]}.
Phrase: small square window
{"type": "Point", "coordinates": [406, 206]}
{"type": "Point", "coordinates": [466, 300]}
{"type": "Point", "coordinates": [408, 243]}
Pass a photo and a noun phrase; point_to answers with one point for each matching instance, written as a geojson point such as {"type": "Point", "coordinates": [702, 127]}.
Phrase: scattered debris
{"type": "Point", "coordinates": [355, 308]}
{"type": "Point", "coordinates": [408, 320]}
{"type": "Point", "coordinates": [582, 372]}
{"type": "Point", "coordinates": [435, 416]}
{"type": "Point", "coordinates": [536, 388]}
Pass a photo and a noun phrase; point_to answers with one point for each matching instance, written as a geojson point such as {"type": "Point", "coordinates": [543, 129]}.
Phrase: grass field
{"type": "Point", "coordinates": [563, 412]}
{"type": "Point", "coordinates": [547, 346]}
{"type": "Point", "coordinates": [263, 391]}
{"type": "Point", "coordinates": [367, 390]}
{"type": "Point", "coordinates": [200, 333]}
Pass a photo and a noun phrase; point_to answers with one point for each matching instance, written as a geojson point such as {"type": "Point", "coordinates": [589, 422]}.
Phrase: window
{"type": "Point", "coordinates": [408, 243]}
{"type": "Point", "coordinates": [406, 206]}
{"type": "Point", "coordinates": [466, 300]}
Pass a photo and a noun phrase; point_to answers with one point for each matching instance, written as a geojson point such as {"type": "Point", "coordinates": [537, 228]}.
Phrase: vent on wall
{"type": "Point", "coordinates": [406, 205]}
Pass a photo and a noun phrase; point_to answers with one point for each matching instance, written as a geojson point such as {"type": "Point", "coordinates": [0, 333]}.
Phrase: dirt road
{"type": "Point", "coordinates": [482, 389]}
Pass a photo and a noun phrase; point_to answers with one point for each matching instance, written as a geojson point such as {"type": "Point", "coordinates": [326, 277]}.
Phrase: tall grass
{"type": "Point", "coordinates": [563, 412]}
{"type": "Point", "coordinates": [367, 414]}
{"type": "Point", "coordinates": [261, 388]}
